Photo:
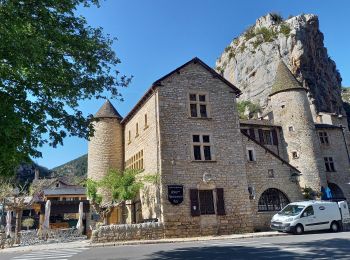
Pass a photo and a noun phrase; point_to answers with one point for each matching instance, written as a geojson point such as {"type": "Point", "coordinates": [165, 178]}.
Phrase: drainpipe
{"type": "Point", "coordinates": [346, 145]}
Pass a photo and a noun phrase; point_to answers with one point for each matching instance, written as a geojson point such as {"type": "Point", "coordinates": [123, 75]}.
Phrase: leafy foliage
{"type": "Point", "coordinates": [50, 59]}
{"type": "Point", "coordinates": [309, 193]}
{"type": "Point", "coordinates": [285, 29]}
{"type": "Point", "coordinates": [252, 108]}
{"type": "Point", "coordinates": [28, 223]}
{"type": "Point", "coordinates": [268, 34]}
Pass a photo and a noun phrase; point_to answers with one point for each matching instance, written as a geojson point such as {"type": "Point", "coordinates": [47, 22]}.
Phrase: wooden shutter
{"type": "Point", "coordinates": [261, 136]}
{"type": "Point", "coordinates": [274, 137]}
{"type": "Point", "coordinates": [252, 133]}
{"type": "Point", "coordinates": [194, 202]}
{"type": "Point", "coordinates": [220, 202]}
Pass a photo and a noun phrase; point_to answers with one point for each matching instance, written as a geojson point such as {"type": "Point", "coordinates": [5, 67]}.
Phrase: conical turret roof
{"type": "Point", "coordinates": [108, 111]}
{"type": "Point", "coordinates": [284, 80]}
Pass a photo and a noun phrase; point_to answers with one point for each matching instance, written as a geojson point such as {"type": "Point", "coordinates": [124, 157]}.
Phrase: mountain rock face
{"type": "Point", "coordinates": [74, 171]}
{"type": "Point", "coordinates": [250, 61]}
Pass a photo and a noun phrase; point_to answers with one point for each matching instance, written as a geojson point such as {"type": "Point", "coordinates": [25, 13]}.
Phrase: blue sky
{"type": "Point", "coordinates": [156, 36]}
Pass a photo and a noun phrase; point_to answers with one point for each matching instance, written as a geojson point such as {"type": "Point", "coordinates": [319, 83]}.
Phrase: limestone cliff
{"type": "Point", "coordinates": [250, 61]}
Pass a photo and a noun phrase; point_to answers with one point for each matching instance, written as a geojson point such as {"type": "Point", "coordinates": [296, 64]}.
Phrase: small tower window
{"type": "Point", "coordinates": [137, 130]}
{"type": "Point", "coordinates": [295, 155]}
{"type": "Point", "coordinates": [270, 173]}
{"type": "Point", "coordinates": [251, 157]}
{"type": "Point", "coordinates": [291, 128]}
{"type": "Point", "coordinates": [129, 137]}
{"type": "Point", "coordinates": [146, 123]}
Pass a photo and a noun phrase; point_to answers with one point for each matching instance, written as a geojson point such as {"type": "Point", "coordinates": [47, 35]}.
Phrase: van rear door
{"type": "Point", "coordinates": [344, 211]}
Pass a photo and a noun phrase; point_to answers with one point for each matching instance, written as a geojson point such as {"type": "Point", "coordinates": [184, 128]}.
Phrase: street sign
{"type": "Point", "coordinates": [175, 194]}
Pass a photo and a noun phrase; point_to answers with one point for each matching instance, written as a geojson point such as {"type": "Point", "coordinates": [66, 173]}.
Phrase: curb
{"type": "Point", "coordinates": [182, 240]}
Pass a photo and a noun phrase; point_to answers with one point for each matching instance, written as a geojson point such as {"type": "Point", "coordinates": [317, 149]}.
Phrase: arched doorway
{"type": "Point", "coordinates": [337, 193]}
{"type": "Point", "coordinates": [272, 200]}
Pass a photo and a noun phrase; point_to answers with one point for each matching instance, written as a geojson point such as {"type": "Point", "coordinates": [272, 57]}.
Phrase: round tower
{"type": "Point", "coordinates": [291, 110]}
{"type": "Point", "coordinates": [106, 147]}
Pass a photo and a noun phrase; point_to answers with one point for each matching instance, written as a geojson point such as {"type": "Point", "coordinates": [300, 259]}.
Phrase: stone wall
{"type": "Point", "coordinates": [259, 178]}
{"type": "Point", "coordinates": [178, 165]}
{"type": "Point", "coordinates": [337, 150]}
{"type": "Point", "coordinates": [147, 140]}
{"type": "Point", "coordinates": [115, 233]}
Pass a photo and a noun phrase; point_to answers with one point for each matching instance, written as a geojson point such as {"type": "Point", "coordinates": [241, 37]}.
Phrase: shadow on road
{"type": "Point", "coordinates": [330, 249]}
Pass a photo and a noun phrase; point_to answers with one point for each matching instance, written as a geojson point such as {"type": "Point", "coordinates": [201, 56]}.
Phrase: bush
{"type": "Point", "coordinates": [277, 17]}
{"type": "Point", "coordinates": [285, 29]}
{"type": "Point", "coordinates": [250, 33]}
{"type": "Point", "coordinates": [231, 54]}
{"type": "Point", "coordinates": [268, 34]}
{"type": "Point", "coordinates": [28, 223]}
{"type": "Point", "coordinates": [242, 48]}
{"type": "Point", "coordinates": [252, 108]}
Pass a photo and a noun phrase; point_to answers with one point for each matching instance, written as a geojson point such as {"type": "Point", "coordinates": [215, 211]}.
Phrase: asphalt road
{"type": "Point", "coordinates": [309, 246]}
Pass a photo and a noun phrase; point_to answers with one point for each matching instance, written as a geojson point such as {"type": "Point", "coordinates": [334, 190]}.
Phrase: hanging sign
{"type": "Point", "coordinates": [175, 194]}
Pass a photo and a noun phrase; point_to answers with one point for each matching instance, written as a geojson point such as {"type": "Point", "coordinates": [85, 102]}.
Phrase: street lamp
{"type": "Point", "coordinates": [295, 177]}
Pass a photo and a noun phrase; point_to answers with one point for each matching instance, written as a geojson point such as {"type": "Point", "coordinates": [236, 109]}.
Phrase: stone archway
{"type": "Point", "coordinates": [336, 191]}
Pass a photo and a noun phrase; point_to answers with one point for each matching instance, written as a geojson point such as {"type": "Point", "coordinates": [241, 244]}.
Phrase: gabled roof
{"type": "Point", "coordinates": [108, 111]}
{"type": "Point", "coordinates": [271, 152]}
{"type": "Point", "coordinates": [284, 80]}
{"type": "Point", "coordinates": [159, 83]}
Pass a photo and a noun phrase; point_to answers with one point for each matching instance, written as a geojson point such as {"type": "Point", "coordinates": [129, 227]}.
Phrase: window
{"type": "Point", "coordinates": [135, 162]}
{"type": "Point", "coordinates": [206, 202]}
{"type": "Point", "coordinates": [251, 157]}
{"type": "Point", "coordinates": [267, 137]}
{"type": "Point", "coordinates": [309, 211]}
{"type": "Point", "coordinates": [146, 123]}
{"type": "Point", "coordinates": [201, 147]}
{"type": "Point", "coordinates": [270, 173]}
{"type": "Point", "coordinates": [137, 130]}
{"type": "Point", "coordinates": [198, 105]}
{"type": "Point", "coordinates": [291, 128]}
{"type": "Point", "coordinates": [295, 155]}
{"type": "Point", "coordinates": [323, 137]}
{"type": "Point", "coordinates": [329, 164]}
{"type": "Point", "coordinates": [272, 200]}
{"type": "Point", "coordinates": [129, 137]}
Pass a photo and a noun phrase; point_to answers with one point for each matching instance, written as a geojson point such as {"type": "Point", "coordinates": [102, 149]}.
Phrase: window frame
{"type": "Point", "coordinates": [252, 149]}
{"type": "Point", "coordinates": [202, 144]}
{"type": "Point", "coordinates": [264, 204]}
{"type": "Point", "coordinates": [329, 164]}
{"type": "Point", "coordinates": [198, 104]}
{"type": "Point", "coordinates": [324, 137]}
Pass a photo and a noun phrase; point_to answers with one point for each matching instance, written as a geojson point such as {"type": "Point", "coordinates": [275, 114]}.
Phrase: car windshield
{"type": "Point", "coordinates": [291, 210]}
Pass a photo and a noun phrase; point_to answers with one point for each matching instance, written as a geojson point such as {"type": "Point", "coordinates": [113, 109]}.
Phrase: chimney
{"type": "Point", "coordinates": [36, 174]}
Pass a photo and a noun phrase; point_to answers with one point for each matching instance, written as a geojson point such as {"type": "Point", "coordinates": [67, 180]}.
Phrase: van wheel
{"type": "Point", "coordinates": [334, 227]}
{"type": "Point", "coordinates": [299, 229]}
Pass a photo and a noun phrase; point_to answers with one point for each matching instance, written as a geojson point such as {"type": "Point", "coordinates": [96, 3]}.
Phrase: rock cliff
{"type": "Point", "coordinates": [250, 61]}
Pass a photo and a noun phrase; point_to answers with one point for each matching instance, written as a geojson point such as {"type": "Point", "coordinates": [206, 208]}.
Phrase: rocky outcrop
{"type": "Point", "coordinates": [250, 61]}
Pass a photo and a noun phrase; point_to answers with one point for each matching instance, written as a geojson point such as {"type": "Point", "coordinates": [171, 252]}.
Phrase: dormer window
{"type": "Point", "coordinates": [198, 105]}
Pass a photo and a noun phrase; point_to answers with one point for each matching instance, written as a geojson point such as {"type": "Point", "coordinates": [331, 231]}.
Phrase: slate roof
{"type": "Point", "coordinates": [108, 111]}
{"type": "Point", "coordinates": [65, 191]}
{"type": "Point", "coordinates": [284, 80]}
{"type": "Point", "coordinates": [257, 122]}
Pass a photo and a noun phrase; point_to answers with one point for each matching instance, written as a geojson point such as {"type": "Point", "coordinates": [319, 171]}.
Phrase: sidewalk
{"type": "Point", "coordinates": [86, 243]}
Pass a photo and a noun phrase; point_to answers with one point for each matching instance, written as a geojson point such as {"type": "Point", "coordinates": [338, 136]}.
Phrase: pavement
{"type": "Point", "coordinates": [86, 243]}
{"type": "Point", "coordinates": [310, 246]}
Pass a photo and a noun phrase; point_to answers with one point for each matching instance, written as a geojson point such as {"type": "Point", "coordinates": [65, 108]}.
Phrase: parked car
{"type": "Point", "coordinates": [298, 217]}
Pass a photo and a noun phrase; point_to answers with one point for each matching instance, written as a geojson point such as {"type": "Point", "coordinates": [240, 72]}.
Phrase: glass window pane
{"type": "Point", "coordinates": [207, 154]}
{"type": "Point", "coordinates": [203, 110]}
{"type": "Point", "coordinates": [193, 97]}
{"type": "Point", "coordinates": [195, 138]}
{"type": "Point", "coordinates": [202, 98]}
{"type": "Point", "coordinates": [206, 139]}
{"type": "Point", "coordinates": [193, 110]}
{"type": "Point", "coordinates": [197, 152]}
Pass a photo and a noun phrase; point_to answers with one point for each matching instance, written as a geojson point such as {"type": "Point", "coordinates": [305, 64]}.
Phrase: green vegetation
{"type": "Point", "coordinates": [277, 17]}
{"type": "Point", "coordinates": [253, 109]}
{"type": "Point", "coordinates": [50, 60]}
{"type": "Point", "coordinates": [285, 29]}
{"type": "Point", "coordinates": [268, 34]}
{"type": "Point", "coordinates": [220, 70]}
{"type": "Point", "coordinates": [250, 33]}
{"type": "Point", "coordinates": [28, 223]}
{"type": "Point", "coordinates": [231, 54]}
{"type": "Point", "coordinates": [310, 194]}
{"type": "Point", "coordinates": [75, 171]}
{"type": "Point", "coordinates": [242, 47]}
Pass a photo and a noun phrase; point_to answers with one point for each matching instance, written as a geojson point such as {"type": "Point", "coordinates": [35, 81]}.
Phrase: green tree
{"type": "Point", "coordinates": [50, 59]}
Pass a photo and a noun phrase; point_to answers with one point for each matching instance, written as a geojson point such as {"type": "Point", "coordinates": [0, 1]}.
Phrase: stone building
{"type": "Point", "coordinates": [219, 174]}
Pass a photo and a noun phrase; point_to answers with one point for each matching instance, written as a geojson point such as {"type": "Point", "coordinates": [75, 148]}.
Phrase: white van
{"type": "Point", "coordinates": [298, 217]}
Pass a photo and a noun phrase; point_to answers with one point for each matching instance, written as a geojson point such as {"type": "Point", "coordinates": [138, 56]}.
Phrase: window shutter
{"type": "Point", "coordinates": [261, 136]}
{"type": "Point", "coordinates": [220, 202]}
{"type": "Point", "coordinates": [194, 202]}
{"type": "Point", "coordinates": [274, 137]}
{"type": "Point", "coordinates": [252, 133]}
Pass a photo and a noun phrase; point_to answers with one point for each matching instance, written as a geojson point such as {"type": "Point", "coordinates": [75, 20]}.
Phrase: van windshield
{"type": "Point", "coordinates": [291, 210]}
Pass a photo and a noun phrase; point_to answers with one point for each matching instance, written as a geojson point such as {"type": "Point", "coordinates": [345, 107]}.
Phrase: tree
{"type": "Point", "coordinates": [114, 189]}
{"type": "Point", "coordinates": [50, 59]}
{"type": "Point", "coordinates": [247, 109]}
{"type": "Point", "coordinates": [17, 198]}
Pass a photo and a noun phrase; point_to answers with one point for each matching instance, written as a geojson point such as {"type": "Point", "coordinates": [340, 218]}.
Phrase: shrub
{"type": "Point", "coordinates": [242, 47]}
{"type": "Point", "coordinates": [285, 29]}
{"type": "Point", "coordinates": [28, 223]}
{"type": "Point", "coordinates": [268, 34]}
{"type": "Point", "coordinates": [277, 17]}
{"type": "Point", "coordinates": [252, 108]}
{"type": "Point", "coordinates": [257, 43]}
{"type": "Point", "coordinates": [231, 54]}
{"type": "Point", "coordinates": [228, 48]}
{"type": "Point", "coordinates": [250, 33]}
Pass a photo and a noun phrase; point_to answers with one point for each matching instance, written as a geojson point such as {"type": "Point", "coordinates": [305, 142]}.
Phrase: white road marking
{"type": "Point", "coordinates": [59, 254]}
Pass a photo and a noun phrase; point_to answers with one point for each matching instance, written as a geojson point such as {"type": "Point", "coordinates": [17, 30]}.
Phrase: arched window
{"type": "Point", "coordinates": [337, 193]}
{"type": "Point", "coordinates": [272, 200]}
